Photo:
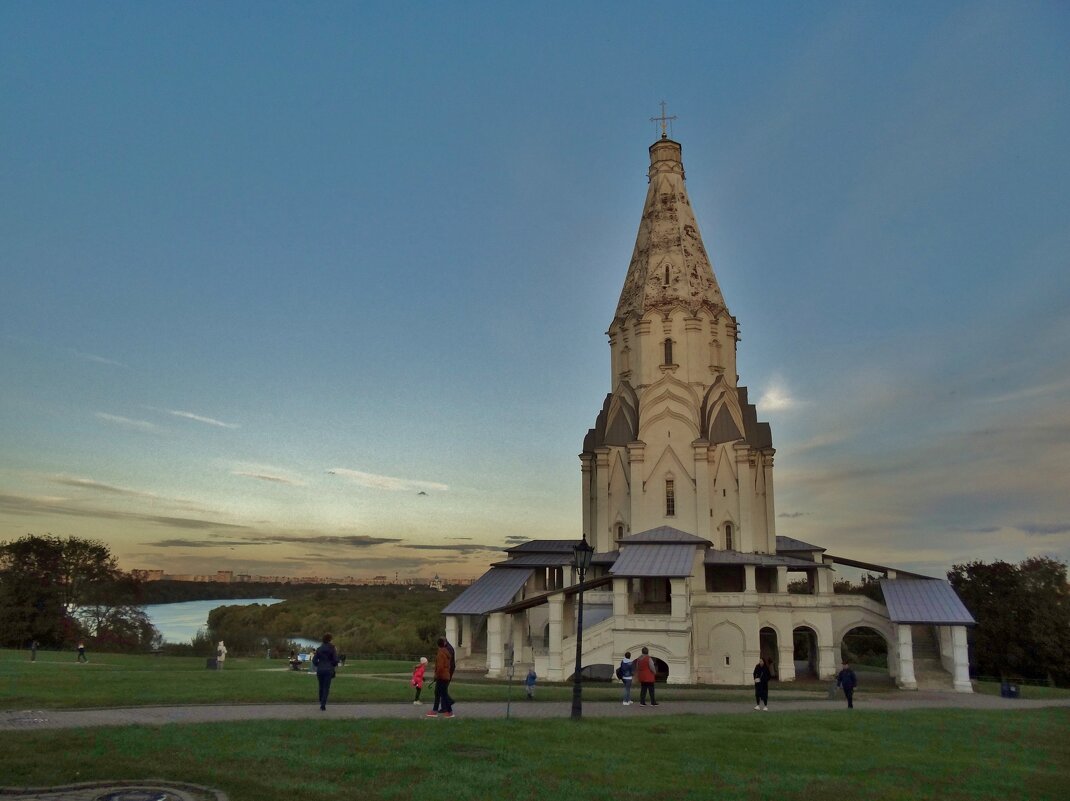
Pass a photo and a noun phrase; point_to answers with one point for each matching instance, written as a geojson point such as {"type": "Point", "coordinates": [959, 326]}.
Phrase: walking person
{"type": "Point", "coordinates": [761, 685]}
{"type": "Point", "coordinates": [325, 660]}
{"type": "Point", "coordinates": [647, 674]}
{"type": "Point", "coordinates": [220, 655]}
{"type": "Point", "coordinates": [626, 672]}
{"type": "Point", "coordinates": [443, 702]}
{"type": "Point", "coordinates": [529, 683]}
{"type": "Point", "coordinates": [81, 652]}
{"type": "Point", "coordinates": [33, 650]}
{"type": "Point", "coordinates": [418, 678]}
{"type": "Point", "coordinates": [847, 679]}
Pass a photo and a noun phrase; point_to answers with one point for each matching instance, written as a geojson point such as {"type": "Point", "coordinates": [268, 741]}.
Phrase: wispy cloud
{"type": "Point", "coordinates": [457, 548]}
{"type": "Point", "coordinates": [1026, 392]}
{"type": "Point", "coordinates": [92, 357]}
{"type": "Point", "coordinates": [271, 477]}
{"type": "Point", "coordinates": [792, 514]}
{"type": "Point", "coordinates": [28, 505]}
{"type": "Point", "coordinates": [209, 543]}
{"type": "Point", "coordinates": [777, 398]}
{"type": "Point", "coordinates": [126, 422]}
{"type": "Point", "coordinates": [391, 483]}
{"type": "Point", "coordinates": [201, 419]}
{"type": "Point", "coordinates": [345, 540]}
{"type": "Point", "coordinates": [97, 486]}
{"type": "Point", "coordinates": [1044, 528]}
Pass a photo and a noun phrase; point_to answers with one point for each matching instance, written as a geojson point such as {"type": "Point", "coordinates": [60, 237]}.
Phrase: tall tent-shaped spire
{"type": "Point", "coordinates": [669, 266]}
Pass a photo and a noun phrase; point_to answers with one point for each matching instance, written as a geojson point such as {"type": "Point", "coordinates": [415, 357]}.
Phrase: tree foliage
{"type": "Point", "coordinates": [57, 590]}
{"type": "Point", "coordinates": [1023, 617]}
{"type": "Point", "coordinates": [364, 620]}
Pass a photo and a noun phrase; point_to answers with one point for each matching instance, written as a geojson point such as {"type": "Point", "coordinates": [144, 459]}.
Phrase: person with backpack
{"type": "Point", "coordinates": [644, 669]}
{"type": "Point", "coordinates": [625, 672]}
{"type": "Point", "coordinates": [325, 660]}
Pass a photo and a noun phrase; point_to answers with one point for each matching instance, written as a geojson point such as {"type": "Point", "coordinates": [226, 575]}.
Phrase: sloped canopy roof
{"type": "Point", "coordinates": [672, 561]}
{"type": "Point", "coordinates": [663, 535]}
{"type": "Point", "coordinates": [924, 601]}
{"type": "Point", "coordinates": [792, 544]}
{"type": "Point", "coordinates": [762, 559]}
{"type": "Point", "coordinates": [544, 546]}
{"type": "Point", "coordinates": [537, 560]}
{"type": "Point", "coordinates": [494, 588]}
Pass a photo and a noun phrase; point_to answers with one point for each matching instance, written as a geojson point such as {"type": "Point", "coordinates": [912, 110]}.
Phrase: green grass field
{"type": "Point", "coordinates": [919, 754]}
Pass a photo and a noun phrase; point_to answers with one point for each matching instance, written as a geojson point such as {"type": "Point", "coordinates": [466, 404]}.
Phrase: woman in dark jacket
{"type": "Point", "coordinates": [325, 660]}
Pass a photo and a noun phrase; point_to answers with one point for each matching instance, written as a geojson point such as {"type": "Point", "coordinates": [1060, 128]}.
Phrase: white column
{"type": "Point", "coordinates": [466, 635]}
{"type": "Point", "coordinates": [495, 645]}
{"type": "Point", "coordinates": [636, 454]}
{"type": "Point", "coordinates": [601, 536]}
{"type": "Point", "coordinates": [519, 641]}
{"type": "Point", "coordinates": [770, 513]}
{"type": "Point", "coordinates": [586, 467]}
{"type": "Point", "coordinates": [451, 630]}
{"type": "Point", "coordinates": [782, 578]}
{"type": "Point", "coordinates": [746, 498]}
{"type": "Point", "coordinates": [962, 660]}
{"type": "Point", "coordinates": [749, 583]}
{"type": "Point", "coordinates": [824, 581]}
{"type": "Point", "coordinates": [556, 605]}
{"type": "Point", "coordinates": [906, 658]}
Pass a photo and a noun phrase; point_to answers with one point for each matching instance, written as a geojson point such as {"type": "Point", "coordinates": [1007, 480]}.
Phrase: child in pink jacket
{"type": "Point", "coordinates": [418, 678]}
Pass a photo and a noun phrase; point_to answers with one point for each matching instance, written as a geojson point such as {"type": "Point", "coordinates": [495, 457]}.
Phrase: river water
{"type": "Point", "coordinates": [179, 622]}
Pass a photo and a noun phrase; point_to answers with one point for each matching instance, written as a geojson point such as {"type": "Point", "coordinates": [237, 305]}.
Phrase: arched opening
{"type": "Point", "coordinates": [769, 649]}
{"type": "Point", "coordinates": [863, 646]}
{"type": "Point", "coordinates": [804, 647]}
{"type": "Point", "coordinates": [729, 540]}
{"type": "Point", "coordinates": [668, 351]}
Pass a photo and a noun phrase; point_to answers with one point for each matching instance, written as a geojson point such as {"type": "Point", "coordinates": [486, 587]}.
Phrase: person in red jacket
{"type": "Point", "coordinates": [644, 671]}
{"type": "Point", "coordinates": [418, 678]}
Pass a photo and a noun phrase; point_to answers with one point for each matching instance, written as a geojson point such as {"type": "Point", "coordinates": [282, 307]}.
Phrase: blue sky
{"type": "Point", "coordinates": [322, 288]}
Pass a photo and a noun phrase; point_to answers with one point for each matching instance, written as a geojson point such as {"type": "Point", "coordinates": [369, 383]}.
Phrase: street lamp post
{"type": "Point", "coordinates": [581, 560]}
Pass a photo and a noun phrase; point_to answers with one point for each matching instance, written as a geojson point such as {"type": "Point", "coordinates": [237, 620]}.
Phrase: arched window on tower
{"type": "Point", "coordinates": [668, 350]}
{"type": "Point", "coordinates": [729, 543]}
{"type": "Point", "coordinates": [620, 531]}
{"type": "Point", "coordinates": [666, 275]}
{"type": "Point", "coordinates": [670, 498]}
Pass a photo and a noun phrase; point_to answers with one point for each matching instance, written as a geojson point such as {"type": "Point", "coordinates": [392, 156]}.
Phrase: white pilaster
{"type": "Point", "coordinates": [678, 598]}
{"type": "Point", "coordinates": [620, 597]}
{"type": "Point", "coordinates": [451, 630]}
{"type": "Point", "coordinates": [787, 663]}
{"type": "Point", "coordinates": [703, 520]}
{"type": "Point", "coordinates": [782, 578]}
{"type": "Point", "coordinates": [749, 582]}
{"type": "Point", "coordinates": [519, 640]}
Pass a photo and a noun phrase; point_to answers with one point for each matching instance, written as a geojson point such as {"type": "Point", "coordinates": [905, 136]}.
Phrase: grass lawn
{"type": "Point", "coordinates": [56, 681]}
{"type": "Point", "coordinates": [921, 754]}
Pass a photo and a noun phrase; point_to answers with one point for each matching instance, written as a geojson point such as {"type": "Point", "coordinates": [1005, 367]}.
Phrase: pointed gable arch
{"type": "Point", "coordinates": [619, 474]}
{"type": "Point", "coordinates": [721, 414]}
{"type": "Point", "coordinates": [668, 464]}
{"type": "Point", "coordinates": [622, 416]}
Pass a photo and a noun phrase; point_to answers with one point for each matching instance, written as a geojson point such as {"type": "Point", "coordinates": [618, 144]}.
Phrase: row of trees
{"type": "Point", "coordinates": [59, 590]}
{"type": "Point", "coordinates": [1023, 618]}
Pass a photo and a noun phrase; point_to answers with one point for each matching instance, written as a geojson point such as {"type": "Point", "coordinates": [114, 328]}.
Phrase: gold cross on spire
{"type": "Point", "coordinates": [663, 120]}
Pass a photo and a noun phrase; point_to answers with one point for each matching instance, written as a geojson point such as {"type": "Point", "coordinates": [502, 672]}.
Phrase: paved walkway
{"type": "Point", "coordinates": [163, 790]}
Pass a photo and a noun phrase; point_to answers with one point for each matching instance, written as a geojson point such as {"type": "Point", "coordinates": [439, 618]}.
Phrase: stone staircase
{"type": "Point", "coordinates": [928, 669]}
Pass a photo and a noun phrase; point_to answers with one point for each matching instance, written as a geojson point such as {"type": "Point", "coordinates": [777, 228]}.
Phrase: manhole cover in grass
{"type": "Point", "coordinates": [139, 794]}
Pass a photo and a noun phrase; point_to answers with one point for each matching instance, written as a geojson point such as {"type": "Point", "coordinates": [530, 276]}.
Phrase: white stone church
{"type": "Point", "coordinates": [677, 483]}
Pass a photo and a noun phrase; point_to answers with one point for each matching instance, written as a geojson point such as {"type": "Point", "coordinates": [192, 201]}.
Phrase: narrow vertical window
{"type": "Point", "coordinates": [728, 544]}
{"type": "Point", "coordinates": [666, 275]}
{"type": "Point", "coordinates": [668, 351]}
{"type": "Point", "coordinates": [620, 531]}
{"type": "Point", "coordinates": [670, 498]}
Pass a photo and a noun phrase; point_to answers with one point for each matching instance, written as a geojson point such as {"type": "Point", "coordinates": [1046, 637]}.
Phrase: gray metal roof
{"type": "Point", "coordinates": [544, 546]}
{"type": "Point", "coordinates": [537, 560]}
{"type": "Point", "coordinates": [763, 559]}
{"type": "Point", "coordinates": [663, 534]}
{"type": "Point", "coordinates": [924, 601]}
{"type": "Point", "coordinates": [605, 557]}
{"type": "Point", "coordinates": [494, 588]}
{"type": "Point", "coordinates": [655, 560]}
{"type": "Point", "coordinates": [792, 544]}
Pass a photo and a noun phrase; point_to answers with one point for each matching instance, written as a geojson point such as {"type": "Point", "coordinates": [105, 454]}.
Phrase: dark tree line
{"type": "Point", "coordinates": [59, 590]}
{"type": "Point", "coordinates": [1023, 618]}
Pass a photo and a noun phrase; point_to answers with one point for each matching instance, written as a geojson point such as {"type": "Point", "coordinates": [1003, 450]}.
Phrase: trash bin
{"type": "Point", "coordinates": [1009, 689]}
{"type": "Point", "coordinates": [210, 663]}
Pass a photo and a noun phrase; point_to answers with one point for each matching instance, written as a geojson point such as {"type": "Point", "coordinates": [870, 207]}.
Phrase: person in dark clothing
{"type": "Point", "coordinates": [443, 674]}
{"type": "Point", "coordinates": [761, 685]}
{"type": "Point", "coordinates": [325, 660]}
{"type": "Point", "coordinates": [847, 679]}
{"type": "Point", "coordinates": [81, 653]}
